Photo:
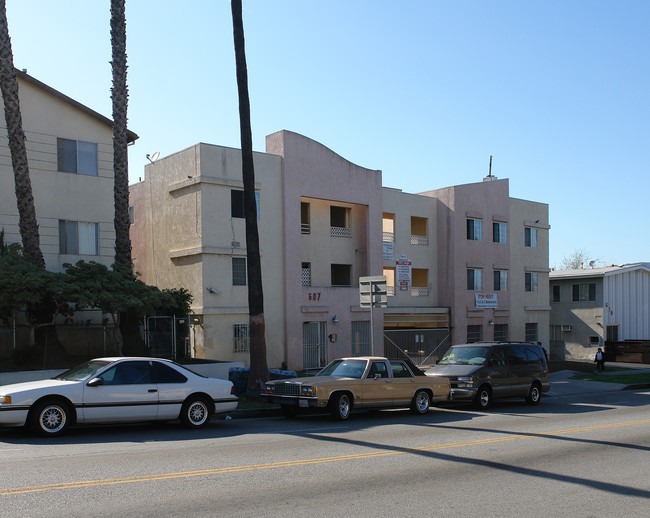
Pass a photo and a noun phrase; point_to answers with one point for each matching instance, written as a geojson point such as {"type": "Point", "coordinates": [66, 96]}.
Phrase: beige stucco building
{"type": "Point", "coordinates": [324, 222]}
{"type": "Point", "coordinates": [70, 156]}
{"type": "Point", "coordinates": [598, 307]}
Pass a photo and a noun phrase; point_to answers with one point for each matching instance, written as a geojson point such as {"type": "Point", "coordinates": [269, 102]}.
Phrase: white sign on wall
{"type": "Point", "coordinates": [403, 273]}
{"type": "Point", "coordinates": [389, 251]}
{"type": "Point", "coordinates": [486, 300]}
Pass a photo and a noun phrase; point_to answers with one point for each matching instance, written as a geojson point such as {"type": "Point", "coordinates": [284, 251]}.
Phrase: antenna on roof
{"type": "Point", "coordinates": [489, 177]}
{"type": "Point", "coordinates": [153, 158]}
{"type": "Point", "coordinates": [592, 263]}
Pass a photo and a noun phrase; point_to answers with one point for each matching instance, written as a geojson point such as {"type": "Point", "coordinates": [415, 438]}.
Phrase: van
{"type": "Point", "coordinates": [480, 372]}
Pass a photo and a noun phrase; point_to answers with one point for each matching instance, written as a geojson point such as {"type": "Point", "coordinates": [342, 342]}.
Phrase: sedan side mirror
{"type": "Point", "coordinates": [95, 382]}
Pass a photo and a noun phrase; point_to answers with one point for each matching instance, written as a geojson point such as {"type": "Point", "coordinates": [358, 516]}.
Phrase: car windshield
{"type": "Point", "coordinates": [465, 356]}
{"type": "Point", "coordinates": [344, 369]}
{"type": "Point", "coordinates": [82, 372]}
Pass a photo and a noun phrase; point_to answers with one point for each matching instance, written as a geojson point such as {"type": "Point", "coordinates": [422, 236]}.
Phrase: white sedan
{"type": "Point", "coordinates": [115, 390]}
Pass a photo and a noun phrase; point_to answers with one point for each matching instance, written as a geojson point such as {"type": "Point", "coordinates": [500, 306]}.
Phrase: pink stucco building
{"type": "Point", "coordinates": [462, 263]}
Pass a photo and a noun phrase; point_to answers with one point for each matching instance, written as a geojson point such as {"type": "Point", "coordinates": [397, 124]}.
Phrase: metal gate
{"type": "Point", "coordinates": [421, 346]}
{"type": "Point", "coordinates": [314, 345]}
{"type": "Point", "coordinates": [167, 337]}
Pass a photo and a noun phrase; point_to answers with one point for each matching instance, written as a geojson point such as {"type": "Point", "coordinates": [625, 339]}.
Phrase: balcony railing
{"type": "Point", "coordinates": [340, 232]}
{"type": "Point", "coordinates": [306, 277]}
{"type": "Point", "coordinates": [305, 228]}
{"type": "Point", "coordinates": [419, 292]}
{"type": "Point", "coordinates": [389, 237]}
{"type": "Point", "coordinates": [419, 240]}
{"type": "Point", "coordinates": [390, 291]}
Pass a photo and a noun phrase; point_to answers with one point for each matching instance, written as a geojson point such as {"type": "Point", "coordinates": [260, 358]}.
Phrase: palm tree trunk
{"type": "Point", "coordinates": [120, 97]}
{"type": "Point", "coordinates": [24, 197]}
{"type": "Point", "coordinates": [259, 371]}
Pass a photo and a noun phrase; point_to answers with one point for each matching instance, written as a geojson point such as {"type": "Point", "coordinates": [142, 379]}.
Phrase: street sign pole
{"type": "Point", "coordinates": [372, 294]}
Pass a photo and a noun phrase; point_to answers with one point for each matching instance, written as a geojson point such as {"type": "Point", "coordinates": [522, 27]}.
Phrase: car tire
{"type": "Point", "coordinates": [289, 410]}
{"type": "Point", "coordinates": [340, 406]}
{"type": "Point", "coordinates": [421, 402]}
{"type": "Point", "coordinates": [51, 417]}
{"type": "Point", "coordinates": [196, 412]}
{"type": "Point", "coordinates": [483, 398]}
{"type": "Point", "coordinates": [534, 394]}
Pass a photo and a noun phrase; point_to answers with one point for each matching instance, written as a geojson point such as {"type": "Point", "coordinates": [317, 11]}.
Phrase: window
{"type": "Point", "coordinates": [530, 237]}
{"type": "Point", "coordinates": [474, 334]}
{"type": "Point", "coordinates": [500, 332]}
{"type": "Point", "coordinates": [389, 273]}
{"type": "Point", "coordinates": [388, 222]}
{"type": "Point", "coordinates": [419, 231]}
{"type": "Point", "coordinates": [594, 341]}
{"type": "Point", "coordinates": [162, 373]}
{"type": "Point", "coordinates": [131, 214]}
{"type": "Point", "coordinates": [237, 203]}
{"type": "Point", "coordinates": [419, 282]}
{"type": "Point", "coordinates": [400, 370]}
{"type": "Point", "coordinates": [339, 217]}
{"type": "Point", "coordinates": [474, 279]}
{"type": "Point", "coordinates": [306, 274]}
{"type": "Point", "coordinates": [555, 293]}
{"type": "Point", "coordinates": [361, 338]}
{"type": "Point", "coordinates": [583, 292]}
{"type": "Point", "coordinates": [474, 229]}
{"type": "Point", "coordinates": [531, 332]}
{"type": "Point", "coordinates": [500, 280]}
{"type": "Point", "coordinates": [78, 238]}
{"type": "Point", "coordinates": [305, 225]}
{"type": "Point", "coordinates": [341, 275]}
{"type": "Point", "coordinates": [499, 232]}
{"type": "Point", "coordinates": [239, 271]}
{"type": "Point", "coordinates": [531, 282]}
{"type": "Point", "coordinates": [76, 156]}
{"type": "Point", "coordinates": [240, 338]}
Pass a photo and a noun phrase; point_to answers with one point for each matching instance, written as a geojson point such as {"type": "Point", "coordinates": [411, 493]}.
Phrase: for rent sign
{"type": "Point", "coordinates": [486, 300]}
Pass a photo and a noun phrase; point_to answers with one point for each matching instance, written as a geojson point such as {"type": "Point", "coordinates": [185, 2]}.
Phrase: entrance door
{"type": "Point", "coordinates": [314, 345]}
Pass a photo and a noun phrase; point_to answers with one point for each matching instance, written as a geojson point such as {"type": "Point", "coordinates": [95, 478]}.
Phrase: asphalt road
{"type": "Point", "coordinates": [572, 456]}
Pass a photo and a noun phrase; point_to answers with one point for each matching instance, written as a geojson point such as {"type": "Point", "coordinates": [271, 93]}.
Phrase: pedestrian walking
{"type": "Point", "coordinates": [600, 361]}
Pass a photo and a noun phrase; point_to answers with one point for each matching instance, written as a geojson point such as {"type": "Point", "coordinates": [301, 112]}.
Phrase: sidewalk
{"type": "Point", "coordinates": [562, 383]}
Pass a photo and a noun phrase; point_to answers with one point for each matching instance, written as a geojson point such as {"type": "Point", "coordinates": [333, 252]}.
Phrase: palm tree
{"type": "Point", "coordinates": [120, 97]}
{"type": "Point", "coordinates": [259, 371]}
{"type": "Point", "coordinates": [128, 321]}
{"type": "Point", "coordinates": [24, 197]}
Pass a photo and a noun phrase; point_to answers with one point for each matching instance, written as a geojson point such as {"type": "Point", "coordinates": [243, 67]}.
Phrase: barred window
{"type": "Point", "coordinates": [239, 271]}
{"type": "Point", "coordinates": [474, 334]}
{"type": "Point", "coordinates": [531, 332]}
{"type": "Point", "coordinates": [240, 338]}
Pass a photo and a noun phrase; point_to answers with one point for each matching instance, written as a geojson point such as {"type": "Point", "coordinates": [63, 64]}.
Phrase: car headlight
{"type": "Point", "coordinates": [307, 391]}
{"type": "Point", "coordinates": [269, 389]}
{"type": "Point", "coordinates": [5, 400]}
{"type": "Point", "coordinates": [465, 381]}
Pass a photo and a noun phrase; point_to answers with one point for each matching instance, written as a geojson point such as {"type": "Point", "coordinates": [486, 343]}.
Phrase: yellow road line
{"type": "Point", "coordinates": [303, 462]}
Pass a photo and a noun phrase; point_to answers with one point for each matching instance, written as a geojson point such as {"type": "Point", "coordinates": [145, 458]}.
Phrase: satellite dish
{"type": "Point", "coordinates": [154, 157]}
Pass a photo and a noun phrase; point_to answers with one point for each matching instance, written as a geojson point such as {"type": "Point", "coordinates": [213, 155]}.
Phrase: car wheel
{"type": "Point", "coordinates": [289, 410]}
{"type": "Point", "coordinates": [534, 395]}
{"type": "Point", "coordinates": [421, 402]}
{"type": "Point", "coordinates": [50, 418]}
{"type": "Point", "coordinates": [483, 398]}
{"type": "Point", "coordinates": [195, 412]}
{"type": "Point", "coordinates": [340, 406]}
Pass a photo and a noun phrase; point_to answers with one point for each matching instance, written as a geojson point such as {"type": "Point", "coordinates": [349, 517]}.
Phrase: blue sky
{"type": "Point", "coordinates": [426, 91]}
